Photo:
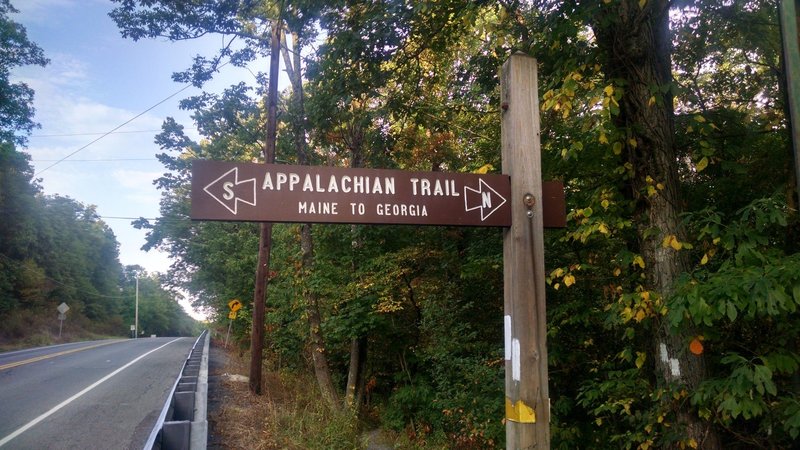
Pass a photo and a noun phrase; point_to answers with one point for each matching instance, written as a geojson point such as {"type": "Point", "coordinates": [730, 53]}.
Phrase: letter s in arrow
{"type": "Point", "coordinates": [484, 198]}
{"type": "Point", "coordinates": [229, 191]}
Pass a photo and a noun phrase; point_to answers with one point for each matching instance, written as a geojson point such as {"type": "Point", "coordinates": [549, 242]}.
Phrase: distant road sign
{"type": "Point", "coordinates": [318, 194]}
{"type": "Point", "coordinates": [232, 315]}
{"type": "Point", "coordinates": [235, 305]}
{"type": "Point", "coordinates": [63, 308]}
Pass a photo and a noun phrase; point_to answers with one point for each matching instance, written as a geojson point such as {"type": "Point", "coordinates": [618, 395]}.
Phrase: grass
{"type": "Point", "coordinates": [289, 415]}
{"type": "Point", "coordinates": [292, 415]}
{"type": "Point", "coordinates": [27, 329]}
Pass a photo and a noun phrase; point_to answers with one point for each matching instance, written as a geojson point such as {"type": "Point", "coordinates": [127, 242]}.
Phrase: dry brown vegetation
{"type": "Point", "coordinates": [289, 415]}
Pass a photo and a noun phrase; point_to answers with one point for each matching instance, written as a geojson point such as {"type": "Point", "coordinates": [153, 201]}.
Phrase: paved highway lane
{"type": "Point", "coordinates": [19, 357]}
{"type": "Point", "coordinates": [107, 396]}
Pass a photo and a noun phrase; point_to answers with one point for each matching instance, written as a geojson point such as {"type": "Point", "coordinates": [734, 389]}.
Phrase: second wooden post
{"type": "Point", "coordinates": [527, 395]}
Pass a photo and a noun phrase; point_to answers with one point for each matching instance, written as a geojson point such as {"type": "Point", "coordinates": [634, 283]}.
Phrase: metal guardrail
{"type": "Point", "coordinates": [183, 424]}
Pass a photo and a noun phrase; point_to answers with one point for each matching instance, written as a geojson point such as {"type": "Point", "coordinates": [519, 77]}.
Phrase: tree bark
{"type": "Point", "coordinates": [318, 353]}
{"type": "Point", "coordinates": [358, 345]}
{"type": "Point", "coordinates": [355, 374]}
{"type": "Point", "coordinates": [319, 356]}
{"type": "Point", "coordinates": [636, 47]}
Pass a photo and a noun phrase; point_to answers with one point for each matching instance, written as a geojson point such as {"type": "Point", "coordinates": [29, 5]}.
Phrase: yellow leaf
{"type": "Point", "coordinates": [632, 142]}
{"type": "Point", "coordinates": [652, 100]}
{"type": "Point", "coordinates": [556, 286]}
{"type": "Point", "coordinates": [702, 164]}
{"type": "Point", "coordinates": [642, 3]}
{"type": "Point", "coordinates": [704, 261]}
{"type": "Point", "coordinates": [609, 90]}
{"type": "Point", "coordinates": [675, 243]}
{"type": "Point", "coordinates": [716, 241]}
{"type": "Point", "coordinates": [602, 228]}
{"type": "Point", "coordinates": [691, 443]}
{"type": "Point", "coordinates": [660, 186]}
{"type": "Point", "coordinates": [617, 271]}
{"type": "Point", "coordinates": [604, 204]}
{"type": "Point", "coordinates": [617, 148]}
{"type": "Point", "coordinates": [627, 313]}
{"type": "Point", "coordinates": [640, 359]}
{"type": "Point", "coordinates": [699, 118]}
{"type": "Point", "coordinates": [637, 260]}
{"type": "Point", "coordinates": [603, 138]}
{"type": "Point", "coordinates": [557, 273]}
{"type": "Point", "coordinates": [569, 280]}
{"type": "Point", "coordinates": [645, 295]}
{"type": "Point", "coordinates": [640, 315]}
{"type": "Point", "coordinates": [485, 169]}
{"type": "Point", "coordinates": [668, 239]}
{"type": "Point", "coordinates": [689, 129]}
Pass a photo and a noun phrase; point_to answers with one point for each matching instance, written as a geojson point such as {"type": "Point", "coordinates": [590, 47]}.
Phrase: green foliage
{"type": "Point", "coordinates": [16, 109]}
{"type": "Point", "coordinates": [408, 404]}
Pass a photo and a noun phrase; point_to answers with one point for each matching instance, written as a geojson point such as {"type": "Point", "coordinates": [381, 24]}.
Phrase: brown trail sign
{"type": "Point", "coordinates": [317, 194]}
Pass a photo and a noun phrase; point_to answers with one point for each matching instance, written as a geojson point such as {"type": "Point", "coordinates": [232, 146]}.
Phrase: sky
{"type": "Point", "coordinates": [95, 82]}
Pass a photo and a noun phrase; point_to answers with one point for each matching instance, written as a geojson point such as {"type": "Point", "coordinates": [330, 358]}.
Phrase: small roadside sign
{"type": "Point", "coordinates": [232, 315]}
{"type": "Point", "coordinates": [235, 305]}
{"type": "Point", "coordinates": [62, 316]}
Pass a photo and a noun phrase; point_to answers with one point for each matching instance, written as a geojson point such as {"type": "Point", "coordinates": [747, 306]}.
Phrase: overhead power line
{"type": "Point", "coordinates": [98, 160]}
{"type": "Point", "coordinates": [90, 134]}
{"type": "Point", "coordinates": [116, 128]}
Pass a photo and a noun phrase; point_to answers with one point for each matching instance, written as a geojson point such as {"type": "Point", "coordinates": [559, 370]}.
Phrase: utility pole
{"type": "Point", "coordinates": [527, 395]}
{"type": "Point", "coordinates": [136, 313]}
{"type": "Point", "coordinates": [791, 52]}
{"type": "Point", "coordinates": [265, 240]}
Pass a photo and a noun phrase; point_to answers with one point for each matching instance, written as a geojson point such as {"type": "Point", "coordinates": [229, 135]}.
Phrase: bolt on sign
{"type": "Point", "coordinates": [318, 194]}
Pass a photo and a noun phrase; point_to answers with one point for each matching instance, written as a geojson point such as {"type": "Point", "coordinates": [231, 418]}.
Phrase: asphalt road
{"type": "Point", "coordinates": [87, 396]}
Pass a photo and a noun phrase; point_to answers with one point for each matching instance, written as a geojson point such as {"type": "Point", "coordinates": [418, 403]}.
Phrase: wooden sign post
{"type": "Point", "coordinates": [527, 396]}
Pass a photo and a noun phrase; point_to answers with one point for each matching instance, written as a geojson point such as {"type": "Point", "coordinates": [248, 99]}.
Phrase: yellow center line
{"type": "Point", "coordinates": [53, 355]}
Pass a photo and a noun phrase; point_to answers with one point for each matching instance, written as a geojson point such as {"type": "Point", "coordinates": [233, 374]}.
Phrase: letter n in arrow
{"type": "Point", "coordinates": [229, 191]}
{"type": "Point", "coordinates": [484, 198]}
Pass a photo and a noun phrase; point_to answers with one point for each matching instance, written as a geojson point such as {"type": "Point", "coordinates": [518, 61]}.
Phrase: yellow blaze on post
{"type": "Point", "coordinates": [519, 412]}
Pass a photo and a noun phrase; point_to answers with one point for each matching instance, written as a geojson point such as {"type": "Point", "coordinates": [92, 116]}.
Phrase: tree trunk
{"type": "Point", "coordinates": [318, 354]}
{"type": "Point", "coordinates": [355, 374]}
{"type": "Point", "coordinates": [635, 43]}
{"type": "Point", "coordinates": [354, 391]}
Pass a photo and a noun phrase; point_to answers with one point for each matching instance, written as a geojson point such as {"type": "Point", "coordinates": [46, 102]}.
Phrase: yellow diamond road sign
{"type": "Point", "coordinates": [235, 305]}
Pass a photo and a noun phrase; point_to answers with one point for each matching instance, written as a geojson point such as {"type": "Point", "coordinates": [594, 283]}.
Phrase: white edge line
{"type": "Point", "coordinates": [66, 402]}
